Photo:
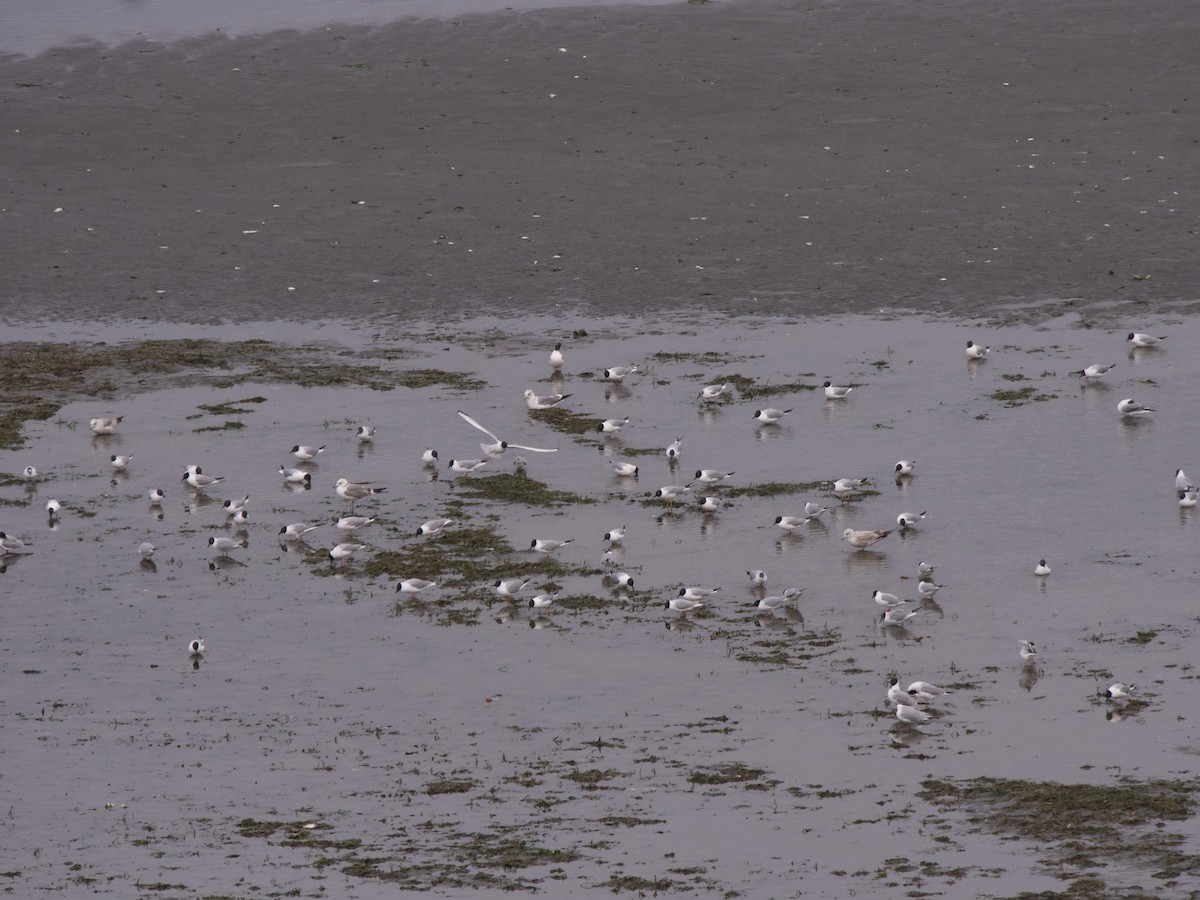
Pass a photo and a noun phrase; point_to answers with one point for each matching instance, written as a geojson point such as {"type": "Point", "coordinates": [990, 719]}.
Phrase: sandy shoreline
{"type": "Point", "coordinates": [772, 158]}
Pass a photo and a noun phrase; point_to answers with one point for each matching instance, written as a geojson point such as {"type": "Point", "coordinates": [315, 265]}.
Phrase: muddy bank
{"type": "Point", "coordinates": [766, 157]}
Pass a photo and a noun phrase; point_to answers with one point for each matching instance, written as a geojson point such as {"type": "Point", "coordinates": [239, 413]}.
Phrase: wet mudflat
{"type": "Point", "coordinates": [339, 739]}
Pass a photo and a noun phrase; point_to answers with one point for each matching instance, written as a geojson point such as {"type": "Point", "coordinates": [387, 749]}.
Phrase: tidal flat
{"type": "Point", "coordinates": [340, 738]}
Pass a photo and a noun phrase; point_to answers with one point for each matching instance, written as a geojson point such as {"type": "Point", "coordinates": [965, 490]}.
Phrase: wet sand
{"type": "Point", "coordinates": [734, 157]}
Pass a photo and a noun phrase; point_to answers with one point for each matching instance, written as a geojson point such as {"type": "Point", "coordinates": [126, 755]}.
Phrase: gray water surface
{"type": "Point", "coordinates": [321, 700]}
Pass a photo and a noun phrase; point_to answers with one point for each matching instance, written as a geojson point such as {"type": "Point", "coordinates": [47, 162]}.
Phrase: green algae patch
{"type": "Point", "coordinates": [642, 886]}
{"type": "Point", "coordinates": [584, 601]}
{"type": "Point", "coordinates": [750, 389]}
{"type": "Point", "coordinates": [424, 378]}
{"type": "Point", "coordinates": [729, 773]}
{"type": "Point", "coordinates": [565, 421]}
{"type": "Point", "coordinates": [1048, 811]}
{"type": "Point", "coordinates": [13, 419]}
{"type": "Point", "coordinates": [1084, 826]}
{"type": "Point", "coordinates": [591, 779]}
{"type": "Point", "coordinates": [464, 558]}
{"type": "Point", "coordinates": [510, 488]}
{"type": "Point", "coordinates": [1016, 397]}
{"type": "Point", "coordinates": [774, 489]}
{"type": "Point", "coordinates": [449, 786]}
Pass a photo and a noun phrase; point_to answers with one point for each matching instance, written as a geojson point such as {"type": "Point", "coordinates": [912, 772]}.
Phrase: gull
{"type": "Point", "coordinates": [10, 544]}
{"type": "Point", "coordinates": [146, 549]}
{"type": "Point", "coordinates": [519, 465]}
{"type": "Point", "coordinates": [546, 401]}
{"type": "Point", "coordinates": [365, 432]}
{"type": "Point", "coordinates": [1129, 407]}
{"type": "Point", "coordinates": [467, 465]}
{"type": "Point", "coordinates": [1094, 371]}
{"type": "Point", "coordinates": [1187, 498]}
{"type": "Point", "coordinates": [500, 446]}
{"type": "Point", "coordinates": [670, 492]}
{"type": "Point", "coordinates": [1119, 691]}
{"type": "Point", "coordinates": [758, 577]}
{"type": "Point", "coordinates": [196, 647]}
{"type": "Point", "coordinates": [711, 504]}
{"type": "Point", "coordinates": [624, 469]}
{"type": "Point", "coordinates": [295, 476]}
{"type": "Point", "coordinates": [1182, 482]}
{"type": "Point", "coordinates": [120, 462]}
{"type": "Point", "coordinates": [927, 589]}
{"type": "Point", "coordinates": [235, 506]}
{"type": "Point", "coordinates": [923, 690]}
{"type": "Point", "coordinates": [414, 586]}
{"type": "Point", "coordinates": [905, 467]}
{"type": "Point", "coordinates": [772, 603]}
{"type": "Point", "coordinates": [429, 457]}
{"type": "Point", "coordinates": [910, 715]}
{"type": "Point", "coordinates": [712, 392]}
{"type": "Point", "coordinates": [924, 569]}
{"type": "Point", "coordinates": [896, 616]}
{"type": "Point", "coordinates": [556, 357]}
{"type": "Point", "coordinates": [814, 511]}
{"type": "Point", "coordinates": [1141, 340]}
{"type": "Point", "coordinates": [508, 588]}
{"type": "Point", "coordinates": [863, 539]}
{"type": "Point", "coordinates": [712, 476]}
{"type": "Point", "coordinates": [344, 552]}
{"type": "Point", "coordinates": [297, 530]}
{"type": "Point", "coordinates": [612, 426]}
{"type": "Point", "coordinates": [1028, 652]}
{"type": "Point", "coordinates": [197, 479]}
{"type": "Point", "coordinates": [846, 486]}
{"type": "Point", "coordinates": [52, 508]}
{"type": "Point", "coordinates": [623, 579]}
{"type": "Point", "coordinates": [304, 454]}
{"type": "Point", "coordinates": [618, 374]}
{"type": "Point", "coordinates": [433, 527]}
{"type": "Point", "coordinates": [351, 523]}
{"type": "Point", "coordinates": [683, 604]}
{"type": "Point", "coordinates": [31, 473]}
{"type": "Point", "coordinates": [541, 601]}
{"type": "Point", "coordinates": [105, 426]}
{"type": "Point", "coordinates": [615, 536]}
{"type": "Point", "coordinates": [835, 392]}
{"type": "Point", "coordinates": [674, 448]}
{"type": "Point", "coordinates": [156, 496]}
{"type": "Point", "coordinates": [355, 490]}
{"type": "Point", "coordinates": [696, 593]}
{"type": "Point", "coordinates": [789, 523]}
{"type": "Point", "coordinates": [546, 545]}
{"type": "Point", "coordinates": [974, 351]}
{"type": "Point", "coordinates": [241, 517]}
{"type": "Point", "coordinates": [909, 520]}
{"type": "Point", "coordinates": [222, 545]}
{"type": "Point", "coordinates": [1041, 568]}
{"type": "Point", "coordinates": [770, 415]}
{"type": "Point", "coordinates": [898, 695]}
{"type": "Point", "coordinates": [887, 600]}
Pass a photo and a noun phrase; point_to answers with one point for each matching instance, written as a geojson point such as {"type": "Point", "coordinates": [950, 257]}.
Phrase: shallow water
{"type": "Point", "coordinates": [322, 700]}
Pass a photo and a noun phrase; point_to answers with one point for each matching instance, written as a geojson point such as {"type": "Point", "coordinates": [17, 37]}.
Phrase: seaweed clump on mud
{"type": "Point", "coordinates": [749, 389]}
{"type": "Point", "coordinates": [465, 558]}
{"type": "Point", "coordinates": [565, 421]}
{"type": "Point", "coordinates": [509, 488]}
{"type": "Point", "coordinates": [1084, 826]}
{"type": "Point", "coordinates": [42, 377]}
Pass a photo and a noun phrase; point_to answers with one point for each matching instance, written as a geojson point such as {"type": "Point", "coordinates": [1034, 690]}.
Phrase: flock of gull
{"type": "Point", "coordinates": [911, 703]}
